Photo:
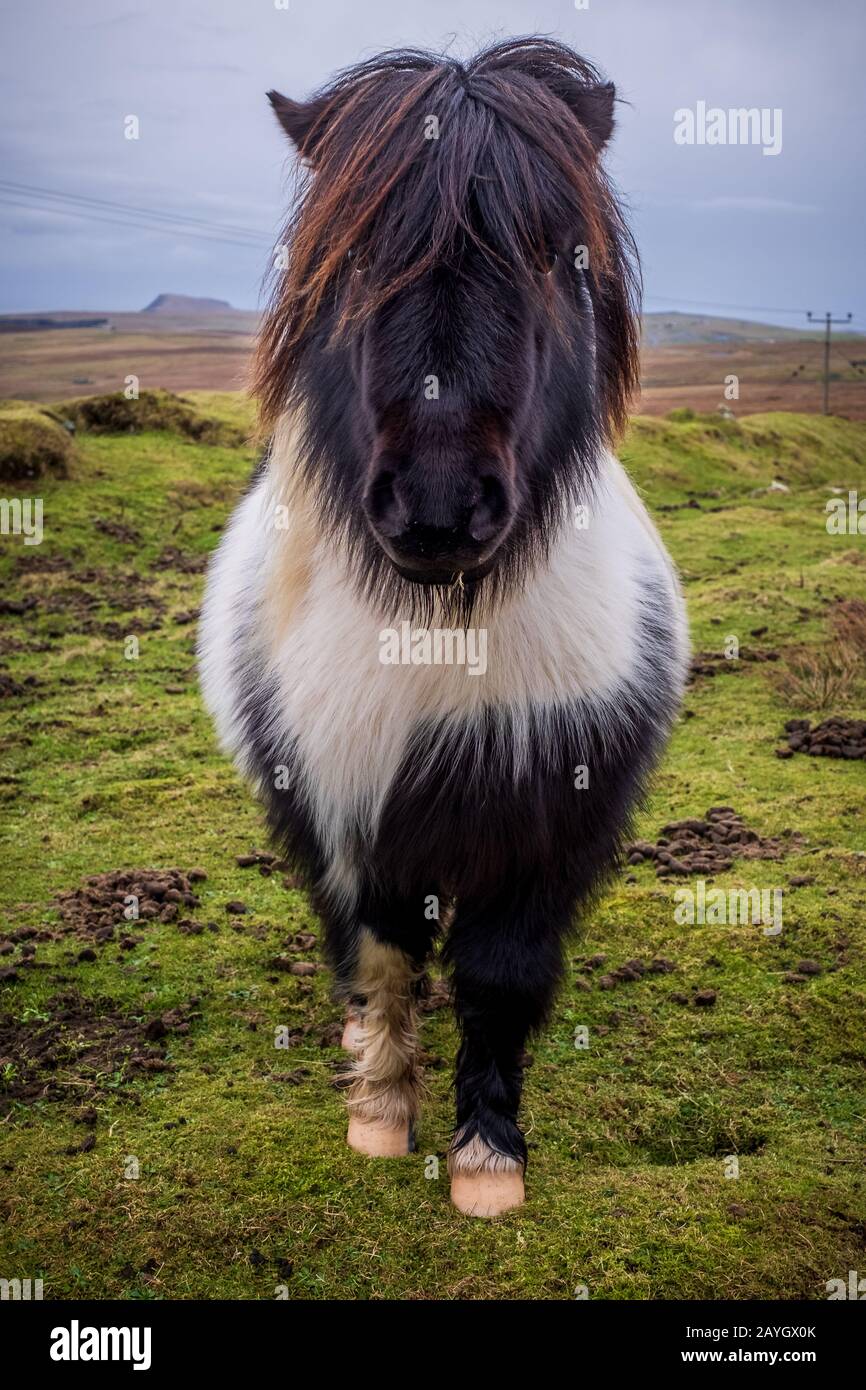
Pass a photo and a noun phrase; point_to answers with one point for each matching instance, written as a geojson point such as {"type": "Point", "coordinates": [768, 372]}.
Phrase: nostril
{"type": "Point", "coordinates": [492, 511]}
{"type": "Point", "coordinates": [383, 505]}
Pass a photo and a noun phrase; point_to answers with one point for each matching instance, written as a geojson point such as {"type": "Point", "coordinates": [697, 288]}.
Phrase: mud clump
{"type": "Point", "coordinates": [171, 558]}
{"type": "Point", "coordinates": [715, 663]}
{"type": "Point", "coordinates": [705, 998]}
{"type": "Point", "coordinates": [632, 971]}
{"type": "Point", "coordinates": [433, 994]}
{"type": "Point", "coordinates": [301, 968]}
{"type": "Point", "coordinates": [117, 530]}
{"type": "Point", "coordinates": [83, 1046]}
{"type": "Point", "coordinates": [263, 860]}
{"type": "Point", "coordinates": [834, 738]}
{"type": "Point", "coordinates": [11, 689]}
{"type": "Point", "coordinates": [708, 845]}
{"type": "Point", "coordinates": [126, 897]}
{"type": "Point", "coordinates": [122, 591]}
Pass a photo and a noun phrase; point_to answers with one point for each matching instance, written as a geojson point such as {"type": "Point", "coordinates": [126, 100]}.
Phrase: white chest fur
{"type": "Point", "coordinates": [572, 633]}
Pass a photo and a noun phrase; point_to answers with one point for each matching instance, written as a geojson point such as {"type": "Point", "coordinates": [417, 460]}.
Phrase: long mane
{"type": "Point", "coordinates": [388, 202]}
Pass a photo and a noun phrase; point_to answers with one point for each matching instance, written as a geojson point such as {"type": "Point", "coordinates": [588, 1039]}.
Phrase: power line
{"type": "Point", "coordinates": [140, 224]}
{"type": "Point", "coordinates": [153, 220]}
{"type": "Point", "coordinates": [117, 222]}
{"type": "Point", "coordinates": [81, 198]}
{"type": "Point", "coordinates": [716, 304]}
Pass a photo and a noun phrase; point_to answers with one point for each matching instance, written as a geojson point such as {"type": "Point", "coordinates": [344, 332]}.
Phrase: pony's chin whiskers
{"type": "Point", "coordinates": [424, 605]}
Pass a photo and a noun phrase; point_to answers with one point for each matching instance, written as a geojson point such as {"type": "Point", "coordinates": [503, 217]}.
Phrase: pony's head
{"type": "Point", "coordinates": [456, 315]}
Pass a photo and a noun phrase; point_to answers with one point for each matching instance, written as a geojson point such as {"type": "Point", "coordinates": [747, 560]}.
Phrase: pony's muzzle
{"type": "Point", "coordinates": [434, 532]}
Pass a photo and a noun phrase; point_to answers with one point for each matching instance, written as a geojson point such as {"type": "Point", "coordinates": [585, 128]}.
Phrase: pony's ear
{"type": "Point", "coordinates": [593, 105]}
{"type": "Point", "coordinates": [298, 119]}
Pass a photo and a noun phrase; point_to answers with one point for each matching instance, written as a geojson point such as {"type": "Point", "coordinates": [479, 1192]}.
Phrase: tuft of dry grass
{"type": "Point", "coordinates": [819, 677]}
{"type": "Point", "coordinates": [848, 622]}
{"type": "Point", "coordinates": [816, 678]}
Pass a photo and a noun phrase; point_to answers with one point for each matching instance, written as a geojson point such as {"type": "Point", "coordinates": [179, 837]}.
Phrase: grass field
{"type": "Point", "coordinates": [151, 1049]}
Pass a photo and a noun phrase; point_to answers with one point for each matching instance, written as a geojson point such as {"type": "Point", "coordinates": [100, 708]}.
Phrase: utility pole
{"type": "Point", "coordinates": [829, 321]}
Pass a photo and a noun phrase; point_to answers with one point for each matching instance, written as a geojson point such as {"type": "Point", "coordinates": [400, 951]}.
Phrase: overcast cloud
{"type": "Point", "coordinates": [716, 225]}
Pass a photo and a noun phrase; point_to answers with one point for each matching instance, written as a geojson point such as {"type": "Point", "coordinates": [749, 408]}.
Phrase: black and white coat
{"type": "Point", "coordinates": [400, 786]}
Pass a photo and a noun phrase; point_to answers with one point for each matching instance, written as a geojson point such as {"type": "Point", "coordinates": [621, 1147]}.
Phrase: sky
{"type": "Point", "coordinates": [723, 229]}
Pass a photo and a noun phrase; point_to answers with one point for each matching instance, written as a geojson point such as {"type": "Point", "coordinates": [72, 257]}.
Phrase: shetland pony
{"type": "Point", "coordinates": [443, 369]}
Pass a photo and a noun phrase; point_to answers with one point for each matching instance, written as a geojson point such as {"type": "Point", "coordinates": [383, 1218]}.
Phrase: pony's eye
{"type": "Point", "coordinates": [547, 259]}
{"type": "Point", "coordinates": [353, 261]}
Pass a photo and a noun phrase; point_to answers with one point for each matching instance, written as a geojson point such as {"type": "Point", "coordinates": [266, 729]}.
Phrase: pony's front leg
{"type": "Point", "coordinates": [382, 1032]}
{"type": "Point", "coordinates": [507, 960]}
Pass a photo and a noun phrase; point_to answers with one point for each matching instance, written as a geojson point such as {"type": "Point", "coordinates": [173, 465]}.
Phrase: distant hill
{"type": "Point", "coordinates": [186, 304]}
{"type": "Point", "coordinates": [659, 329]}
{"type": "Point", "coordinates": [188, 313]}
{"type": "Point", "coordinates": [9, 323]}
{"type": "Point", "coordinates": [662, 330]}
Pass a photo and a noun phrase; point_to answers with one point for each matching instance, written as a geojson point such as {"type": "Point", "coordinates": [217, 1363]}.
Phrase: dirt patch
{"type": "Point", "coordinates": [72, 562]}
{"type": "Point", "coordinates": [708, 846]}
{"type": "Point", "coordinates": [433, 994]}
{"type": "Point", "coordinates": [716, 663]}
{"type": "Point", "coordinates": [833, 738]}
{"type": "Point", "coordinates": [117, 530]}
{"type": "Point", "coordinates": [79, 603]}
{"type": "Point", "coordinates": [77, 1047]}
{"type": "Point", "coordinates": [121, 592]}
{"type": "Point", "coordinates": [126, 898]}
{"type": "Point", "coordinates": [11, 689]}
{"type": "Point", "coordinates": [187, 563]}
{"type": "Point", "coordinates": [17, 606]}
{"type": "Point", "coordinates": [125, 593]}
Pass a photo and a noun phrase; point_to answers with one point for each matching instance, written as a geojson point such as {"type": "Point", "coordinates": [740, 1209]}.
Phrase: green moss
{"type": "Point", "coordinates": [231, 407]}
{"type": "Point", "coordinates": [32, 443]}
{"type": "Point", "coordinates": [245, 1182]}
{"type": "Point", "coordinates": [693, 454]}
{"type": "Point", "coordinates": [154, 410]}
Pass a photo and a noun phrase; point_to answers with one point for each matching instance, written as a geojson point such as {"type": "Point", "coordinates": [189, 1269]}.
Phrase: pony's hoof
{"type": "Point", "coordinates": [487, 1194]}
{"type": "Point", "coordinates": [353, 1034]}
{"type": "Point", "coordinates": [378, 1141]}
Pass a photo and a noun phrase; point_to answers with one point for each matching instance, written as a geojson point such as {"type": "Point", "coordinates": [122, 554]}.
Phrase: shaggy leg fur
{"type": "Point", "coordinates": [383, 1098]}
